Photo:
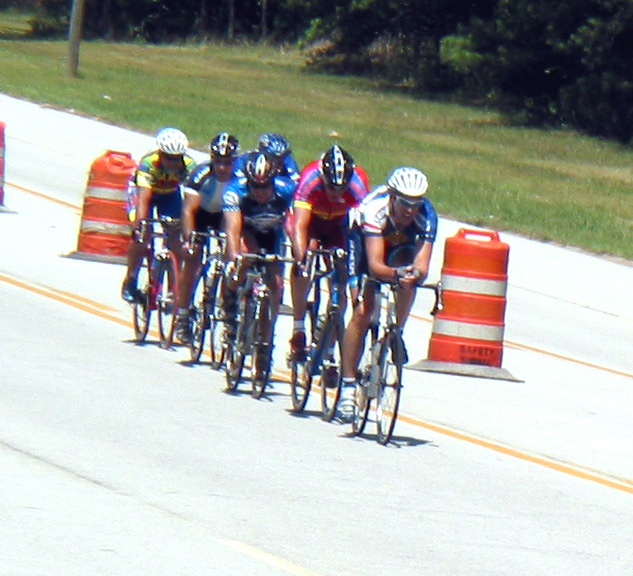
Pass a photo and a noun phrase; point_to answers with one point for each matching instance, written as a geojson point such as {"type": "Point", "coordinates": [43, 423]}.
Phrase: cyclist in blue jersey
{"type": "Point", "coordinates": [255, 208]}
{"type": "Point", "coordinates": [278, 147]}
{"type": "Point", "coordinates": [398, 225]}
{"type": "Point", "coordinates": [202, 210]}
{"type": "Point", "coordinates": [158, 182]}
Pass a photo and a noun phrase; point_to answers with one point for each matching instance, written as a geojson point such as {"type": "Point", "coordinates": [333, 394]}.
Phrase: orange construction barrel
{"type": "Point", "coordinates": [105, 227]}
{"type": "Point", "coordinates": [469, 329]}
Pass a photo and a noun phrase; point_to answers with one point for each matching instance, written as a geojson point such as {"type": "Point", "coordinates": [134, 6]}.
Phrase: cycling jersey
{"type": "Point", "coordinates": [153, 174]}
{"type": "Point", "coordinates": [263, 220]}
{"type": "Point", "coordinates": [202, 181]}
{"type": "Point", "coordinates": [311, 194]}
{"type": "Point", "coordinates": [376, 221]}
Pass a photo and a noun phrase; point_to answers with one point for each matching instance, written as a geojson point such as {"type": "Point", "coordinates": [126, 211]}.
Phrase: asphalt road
{"type": "Point", "coordinates": [120, 458]}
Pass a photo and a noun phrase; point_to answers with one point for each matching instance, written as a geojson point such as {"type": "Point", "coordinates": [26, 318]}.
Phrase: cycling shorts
{"type": "Point", "coordinates": [204, 220]}
{"type": "Point", "coordinates": [169, 205]}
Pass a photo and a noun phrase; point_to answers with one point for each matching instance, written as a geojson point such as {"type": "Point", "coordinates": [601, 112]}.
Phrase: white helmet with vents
{"type": "Point", "coordinates": [172, 141]}
{"type": "Point", "coordinates": [408, 182]}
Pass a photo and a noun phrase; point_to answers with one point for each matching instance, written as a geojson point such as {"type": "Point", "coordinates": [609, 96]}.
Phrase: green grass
{"type": "Point", "coordinates": [546, 184]}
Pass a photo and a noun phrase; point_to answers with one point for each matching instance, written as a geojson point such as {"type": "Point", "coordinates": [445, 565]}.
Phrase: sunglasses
{"type": "Point", "coordinates": [259, 186]}
{"type": "Point", "coordinates": [412, 204]}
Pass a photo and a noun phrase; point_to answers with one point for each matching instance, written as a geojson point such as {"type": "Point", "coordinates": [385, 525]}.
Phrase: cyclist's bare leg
{"type": "Point", "coordinates": [188, 271]}
{"type": "Point", "coordinates": [355, 332]}
{"type": "Point", "coordinates": [135, 252]}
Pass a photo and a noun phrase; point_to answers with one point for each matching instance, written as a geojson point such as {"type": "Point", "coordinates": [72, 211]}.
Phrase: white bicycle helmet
{"type": "Point", "coordinates": [172, 141]}
{"type": "Point", "coordinates": [408, 182]}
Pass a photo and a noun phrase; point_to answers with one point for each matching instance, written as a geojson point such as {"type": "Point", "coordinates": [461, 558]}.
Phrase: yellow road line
{"type": "Point", "coordinates": [44, 196]}
{"type": "Point", "coordinates": [624, 485]}
{"type": "Point", "coordinates": [577, 471]}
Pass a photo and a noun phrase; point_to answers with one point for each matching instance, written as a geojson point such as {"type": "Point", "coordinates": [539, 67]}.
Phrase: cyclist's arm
{"type": "Point", "coordinates": [375, 248]}
{"type": "Point", "coordinates": [190, 207]}
{"type": "Point", "coordinates": [233, 225]}
{"type": "Point", "coordinates": [302, 216]}
{"type": "Point", "coordinates": [422, 259]}
{"type": "Point", "coordinates": [144, 200]}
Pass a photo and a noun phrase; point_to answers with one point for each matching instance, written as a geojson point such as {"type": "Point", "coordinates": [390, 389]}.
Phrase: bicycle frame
{"type": "Point", "coordinates": [381, 374]}
{"type": "Point", "coordinates": [254, 301]}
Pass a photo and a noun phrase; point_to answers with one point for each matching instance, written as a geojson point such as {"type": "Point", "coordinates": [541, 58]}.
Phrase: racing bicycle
{"type": "Point", "coordinates": [380, 368]}
{"type": "Point", "coordinates": [157, 286]}
{"type": "Point", "coordinates": [253, 323]}
{"type": "Point", "coordinates": [325, 326]}
{"type": "Point", "coordinates": [207, 297]}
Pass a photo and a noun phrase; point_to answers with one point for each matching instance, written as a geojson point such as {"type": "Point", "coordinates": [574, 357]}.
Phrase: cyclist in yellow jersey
{"type": "Point", "coordinates": [158, 179]}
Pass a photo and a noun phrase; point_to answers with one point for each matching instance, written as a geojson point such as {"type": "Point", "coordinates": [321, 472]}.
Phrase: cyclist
{"type": "Point", "coordinates": [398, 225]}
{"type": "Point", "coordinates": [255, 207]}
{"type": "Point", "coordinates": [327, 190]}
{"type": "Point", "coordinates": [158, 188]}
{"type": "Point", "coordinates": [202, 210]}
{"type": "Point", "coordinates": [277, 145]}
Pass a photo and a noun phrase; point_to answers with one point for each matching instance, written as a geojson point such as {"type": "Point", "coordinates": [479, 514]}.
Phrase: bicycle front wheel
{"type": "Point", "coordinates": [362, 397]}
{"type": "Point", "coordinates": [166, 297]}
{"type": "Point", "coordinates": [199, 318]}
{"type": "Point", "coordinates": [331, 377]}
{"type": "Point", "coordinates": [389, 387]}
{"type": "Point", "coordinates": [260, 372]}
{"type": "Point", "coordinates": [238, 349]}
{"type": "Point", "coordinates": [216, 324]}
{"type": "Point", "coordinates": [142, 309]}
{"type": "Point", "coordinates": [301, 374]}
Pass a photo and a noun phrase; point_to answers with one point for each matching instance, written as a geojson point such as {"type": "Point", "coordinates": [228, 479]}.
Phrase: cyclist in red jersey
{"type": "Point", "coordinates": [328, 188]}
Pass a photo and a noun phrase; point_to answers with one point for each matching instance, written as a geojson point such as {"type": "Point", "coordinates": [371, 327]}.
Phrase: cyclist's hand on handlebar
{"type": "Point", "coordinates": [407, 276]}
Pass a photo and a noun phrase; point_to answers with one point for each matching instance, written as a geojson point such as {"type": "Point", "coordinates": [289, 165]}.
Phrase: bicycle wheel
{"type": "Point", "coordinates": [166, 298]}
{"type": "Point", "coordinates": [238, 349]}
{"type": "Point", "coordinates": [362, 398]}
{"type": "Point", "coordinates": [301, 373]}
{"type": "Point", "coordinates": [216, 325]}
{"type": "Point", "coordinates": [389, 387]}
{"type": "Point", "coordinates": [260, 372]}
{"type": "Point", "coordinates": [141, 309]}
{"type": "Point", "coordinates": [199, 317]}
{"type": "Point", "coordinates": [331, 368]}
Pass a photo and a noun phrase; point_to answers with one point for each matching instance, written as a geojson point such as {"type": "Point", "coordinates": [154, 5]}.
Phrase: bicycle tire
{"type": "Point", "coordinates": [199, 317]}
{"type": "Point", "coordinates": [301, 373]}
{"type": "Point", "coordinates": [261, 360]}
{"type": "Point", "coordinates": [240, 347]}
{"type": "Point", "coordinates": [217, 347]}
{"type": "Point", "coordinates": [330, 393]}
{"type": "Point", "coordinates": [166, 298]}
{"type": "Point", "coordinates": [389, 387]}
{"type": "Point", "coordinates": [141, 309]}
{"type": "Point", "coordinates": [361, 397]}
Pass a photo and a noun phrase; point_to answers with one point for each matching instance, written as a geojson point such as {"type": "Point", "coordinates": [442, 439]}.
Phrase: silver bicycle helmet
{"type": "Point", "coordinates": [408, 182]}
{"type": "Point", "coordinates": [172, 141]}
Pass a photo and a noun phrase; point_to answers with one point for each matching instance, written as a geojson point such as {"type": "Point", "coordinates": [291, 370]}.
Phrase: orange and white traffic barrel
{"type": "Point", "coordinates": [105, 229]}
{"type": "Point", "coordinates": [2, 153]}
{"type": "Point", "coordinates": [470, 327]}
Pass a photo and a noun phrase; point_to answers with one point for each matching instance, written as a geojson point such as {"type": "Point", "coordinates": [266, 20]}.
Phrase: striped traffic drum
{"type": "Point", "coordinates": [470, 327]}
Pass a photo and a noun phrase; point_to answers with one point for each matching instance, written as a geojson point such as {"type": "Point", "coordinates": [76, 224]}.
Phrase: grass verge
{"type": "Point", "coordinates": [546, 184]}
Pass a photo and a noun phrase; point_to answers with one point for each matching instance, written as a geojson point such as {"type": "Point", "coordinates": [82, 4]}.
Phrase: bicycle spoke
{"type": "Point", "coordinates": [141, 309]}
{"type": "Point", "coordinates": [199, 318]}
{"type": "Point", "coordinates": [166, 299]}
{"type": "Point", "coordinates": [331, 368]}
{"type": "Point", "coordinates": [388, 397]}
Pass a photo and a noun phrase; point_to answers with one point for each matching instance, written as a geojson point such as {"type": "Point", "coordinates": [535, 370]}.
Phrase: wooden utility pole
{"type": "Point", "coordinates": [74, 35]}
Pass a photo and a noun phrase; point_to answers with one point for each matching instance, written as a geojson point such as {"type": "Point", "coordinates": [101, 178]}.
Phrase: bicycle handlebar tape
{"type": "Point", "coordinates": [2, 153]}
{"type": "Point", "coordinates": [467, 334]}
{"type": "Point", "coordinates": [105, 229]}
